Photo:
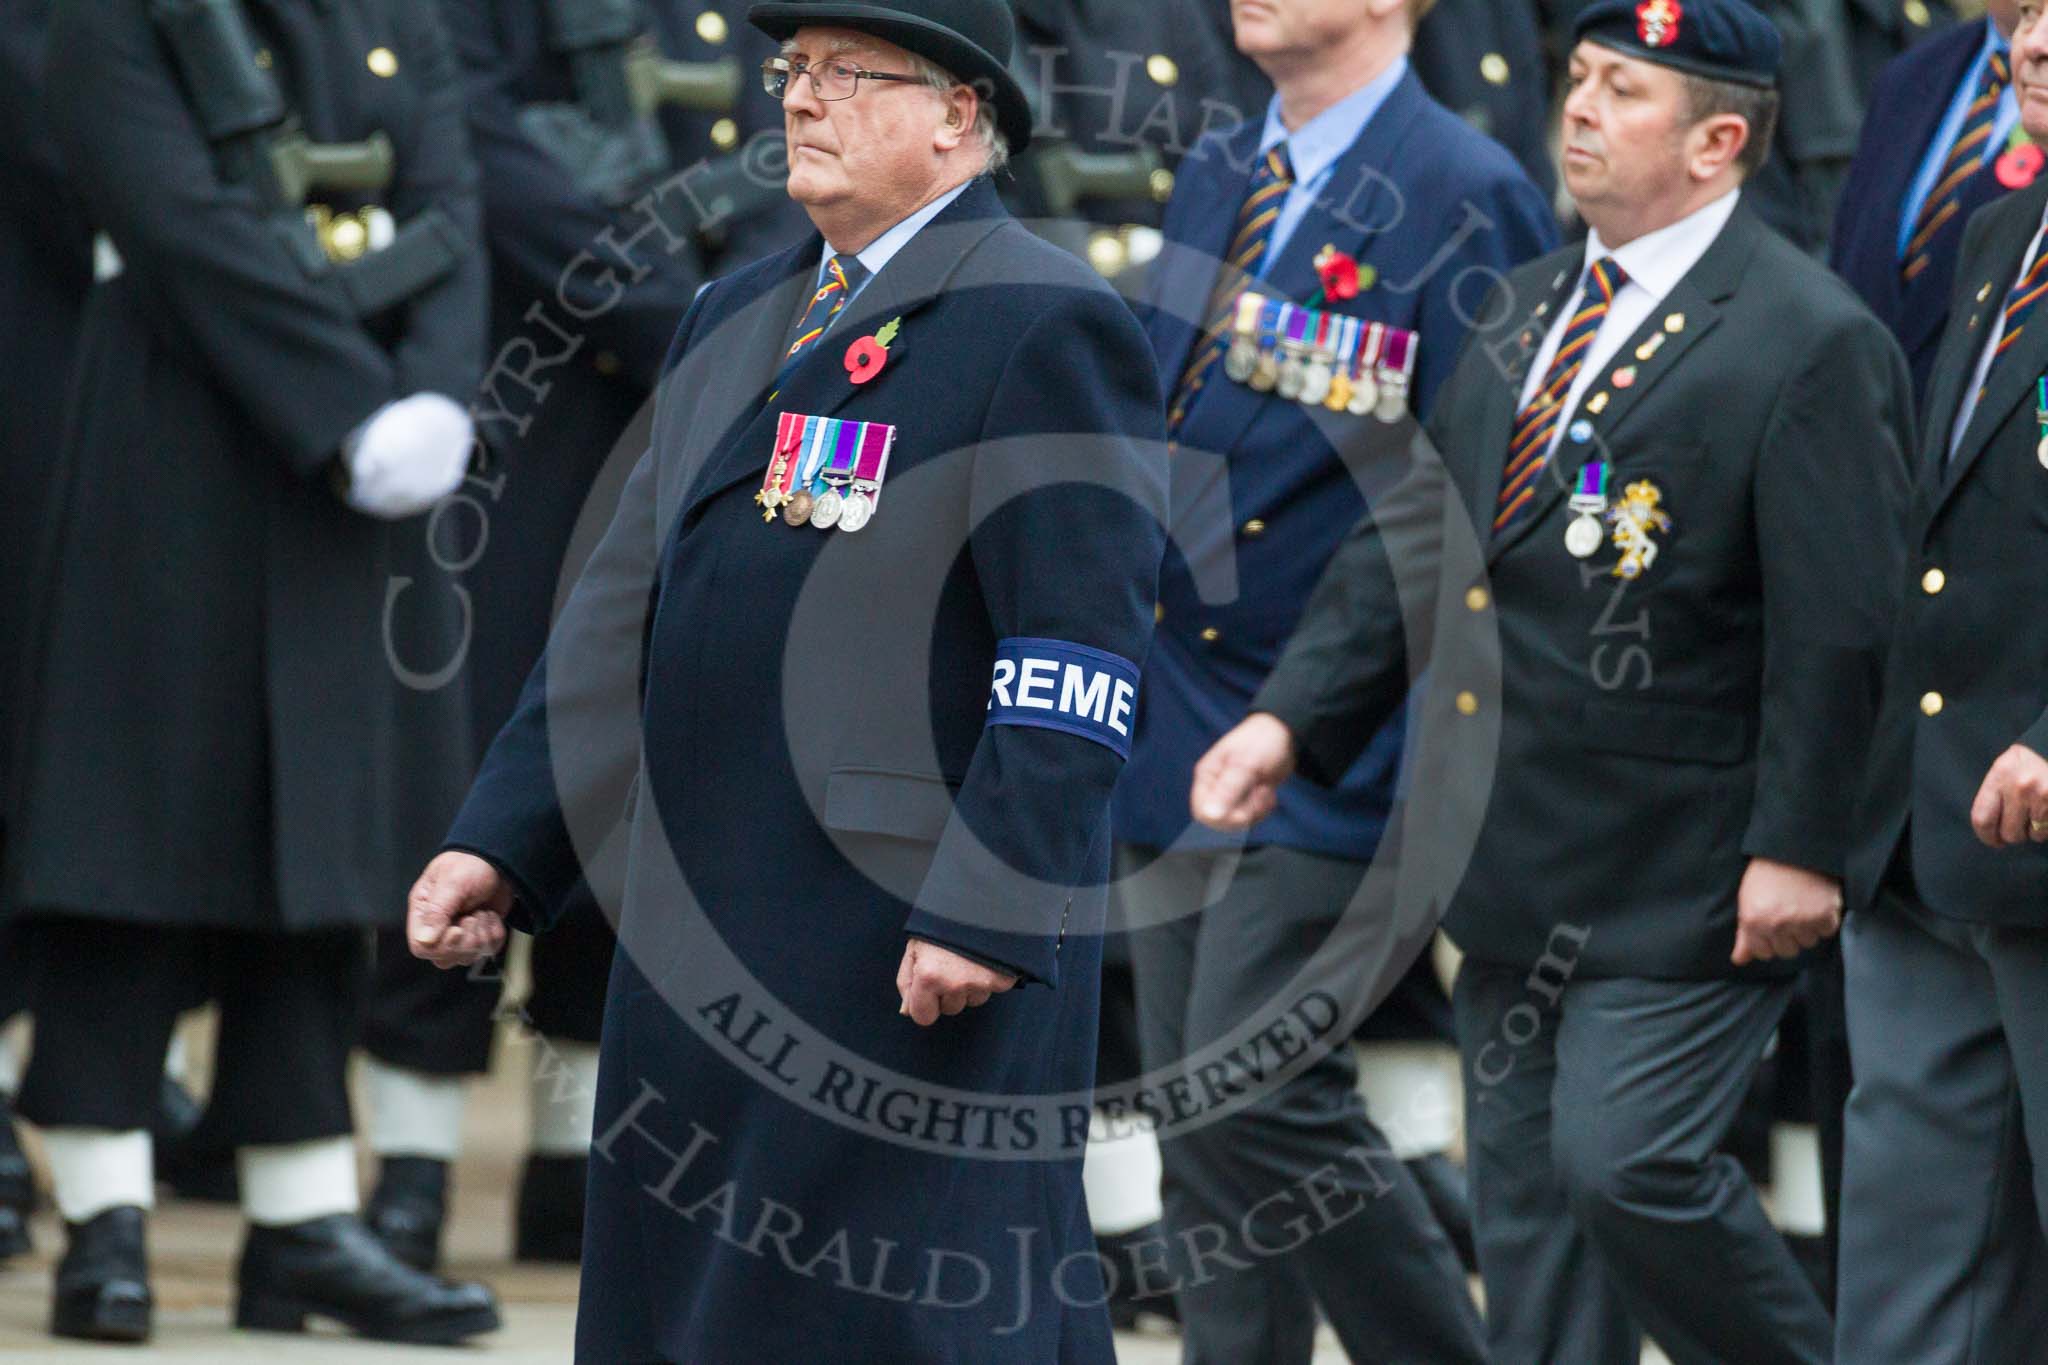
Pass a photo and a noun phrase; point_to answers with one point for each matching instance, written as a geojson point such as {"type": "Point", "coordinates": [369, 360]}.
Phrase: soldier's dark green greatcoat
{"type": "Point", "coordinates": [823, 795]}
{"type": "Point", "coordinates": [222, 732]}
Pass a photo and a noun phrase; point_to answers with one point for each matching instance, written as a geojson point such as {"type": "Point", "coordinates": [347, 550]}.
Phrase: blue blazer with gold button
{"type": "Point", "coordinates": [1262, 492]}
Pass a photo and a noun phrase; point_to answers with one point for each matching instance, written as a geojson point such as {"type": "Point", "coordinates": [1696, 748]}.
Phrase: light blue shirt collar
{"type": "Point", "coordinates": [883, 249]}
{"type": "Point", "coordinates": [1951, 126]}
{"type": "Point", "coordinates": [1314, 148]}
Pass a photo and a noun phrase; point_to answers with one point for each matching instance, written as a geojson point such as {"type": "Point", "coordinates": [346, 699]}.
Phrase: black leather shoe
{"type": "Point", "coordinates": [409, 1207]}
{"type": "Point", "coordinates": [548, 1225]}
{"type": "Point", "coordinates": [17, 1189]}
{"type": "Point", "coordinates": [1443, 1185]}
{"type": "Point", "coordinates": [103, 1280]}
{"type": "Point", "coordinates": [333, 1268]}
{"type": "Point", "coordinates": [192, 1169]}
{"type": "Point", "coordinates": [1129, 1300]}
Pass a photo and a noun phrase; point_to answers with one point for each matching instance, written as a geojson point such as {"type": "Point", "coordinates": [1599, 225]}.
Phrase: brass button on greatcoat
{"type": "Point", "coordinates": [1930, 704]}
{"type": "Point", "coordinates": [382, 62]}
{"type": "Point", "coordinates": [1933, 581]}
{"type": "Point", "coordinates": [1468, 705]}
{"type": "Point", "coordinates": [1476, 598]}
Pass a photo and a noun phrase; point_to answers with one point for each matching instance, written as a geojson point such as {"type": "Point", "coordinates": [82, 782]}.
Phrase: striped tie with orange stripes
{"type": "Point", "coordinates": [1536, 424]}
{"type": "Point", "coordinates": [2024, 299]}
{"type": "Point", "coordinates": [1944, 205]}
{"type": "Point", "coordinates": [843, 275]}
{"type": "Point", "coordinates": [1270, 183]}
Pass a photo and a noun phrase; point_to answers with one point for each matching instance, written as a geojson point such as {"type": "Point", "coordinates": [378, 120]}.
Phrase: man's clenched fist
{"type": "Point", "coordinates": [1782, 910]}
{"type": "Point", "coordinates": [1237, 783]}
{"type": "Point", "coordinates": [933, 981]}
{"type": "Point", "coordinates": [456, 912]}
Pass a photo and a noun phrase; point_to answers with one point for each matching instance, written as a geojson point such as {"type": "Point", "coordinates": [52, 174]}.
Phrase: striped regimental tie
{"type": "Point", "coordinates": [843, 275]}
{"type": "Point", "coordinates": [1536, 424]}
{"type": "Point", "coordinates": [2020, 303]}
{"type": "Point", "coordinates": [1943, 208]}
{"type": "Point", "coordinates": [1262, 202]}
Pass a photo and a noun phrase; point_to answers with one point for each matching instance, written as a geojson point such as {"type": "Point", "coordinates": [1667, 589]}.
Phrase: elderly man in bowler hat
{"type": "Point", "coordinates": [855, 661]}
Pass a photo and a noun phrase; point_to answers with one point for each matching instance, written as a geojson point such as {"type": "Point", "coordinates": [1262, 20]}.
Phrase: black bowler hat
{"type": "Point", "coordinates": [1722, 40]}
{"type": "Point", "coordinates": [971, 39]}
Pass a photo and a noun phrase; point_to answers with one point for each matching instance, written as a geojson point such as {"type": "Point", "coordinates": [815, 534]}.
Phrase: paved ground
{"type": "Point", "coordinates": [193, 1248]}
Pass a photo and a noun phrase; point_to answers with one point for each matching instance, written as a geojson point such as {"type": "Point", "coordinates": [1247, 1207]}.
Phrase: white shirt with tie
{"type": "Point", "coordinates": [1654, 263]}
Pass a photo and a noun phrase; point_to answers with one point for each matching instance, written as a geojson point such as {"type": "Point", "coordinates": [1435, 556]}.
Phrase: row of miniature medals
{"type": "Point", "coordinates": [827, 472]}
{"type": "Point", "coordinates": [1320, 359]}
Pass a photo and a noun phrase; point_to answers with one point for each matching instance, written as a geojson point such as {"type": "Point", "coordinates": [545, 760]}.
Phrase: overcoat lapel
{"type": "Point", "coordinates": [1687, 314]}
{"type": "Point", "coordinates": [818, 386]}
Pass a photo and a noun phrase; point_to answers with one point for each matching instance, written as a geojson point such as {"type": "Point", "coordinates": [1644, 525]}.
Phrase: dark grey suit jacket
{"type": "Point", "coordinates": [1971, 635]}
{"type": "Point", "coordinates": [1605, 754]}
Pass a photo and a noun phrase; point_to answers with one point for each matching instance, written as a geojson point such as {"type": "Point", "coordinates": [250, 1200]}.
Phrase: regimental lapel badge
{"type": "Point", "coordinates": [1639, 514]}
{"type": "Point", "coordinates": [826, 471]}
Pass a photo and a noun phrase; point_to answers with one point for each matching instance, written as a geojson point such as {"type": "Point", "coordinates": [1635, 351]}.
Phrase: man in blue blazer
{"type": "Point", "coordinates": [831, 721]}
{"type": "Point", "coordinates": [1933, 152]}
{"type": "Point", "coordinates": [1354, 173]}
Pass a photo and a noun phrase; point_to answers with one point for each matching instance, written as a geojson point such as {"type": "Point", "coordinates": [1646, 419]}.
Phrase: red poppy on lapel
{"type": "Point", "coordinates": [866, 357]}
{"type": "Point", "coordinates": [2019, 165]}
{"type": "Point", "coordinates": [1338, 271]}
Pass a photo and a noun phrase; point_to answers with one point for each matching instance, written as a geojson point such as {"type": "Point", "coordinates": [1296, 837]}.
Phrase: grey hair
{"type": "Point", "coordinates": [995, 147]}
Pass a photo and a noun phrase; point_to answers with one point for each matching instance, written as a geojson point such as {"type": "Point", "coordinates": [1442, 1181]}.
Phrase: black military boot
{"type": "Point", "coordinates": [1443, 1186]}
{"type": "Point", "coordinates": [17, 1188]}
{"type": "Point", "coordinates": [103, 1280]}
{"type": "Point", "coordinates": [409, 1208]}
{"type": "Point", "coordinates": [548, 1225]}
{"type": "Point", "coordinates": [333, 1268]}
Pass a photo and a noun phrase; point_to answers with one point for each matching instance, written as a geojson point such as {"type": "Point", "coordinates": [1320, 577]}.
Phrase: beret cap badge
{"type": "Point", "coordinates": [1657, 22]}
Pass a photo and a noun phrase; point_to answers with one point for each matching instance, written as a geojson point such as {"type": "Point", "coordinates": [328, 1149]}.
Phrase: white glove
{"type": "Point", "coordinates": [410, 454]}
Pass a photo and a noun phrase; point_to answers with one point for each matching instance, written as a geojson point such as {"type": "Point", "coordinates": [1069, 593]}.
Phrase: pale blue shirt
{"type": "Point", "coordinates": [1314, 147]}
{"type": "Point", "coordinates": [1945, 135]}
{"type": "Point", "coordinates": [883, 249]}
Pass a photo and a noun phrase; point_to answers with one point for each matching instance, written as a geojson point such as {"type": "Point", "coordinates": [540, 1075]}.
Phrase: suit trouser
{"type": "Point", "coordinates": [443, 1022]}
{"type": "Point", "coordinates": [1384, 1273]}
{"type": "Point", "coordinates": [1943, 1259]}
{"type": "Point", "coordinates": [106, 997]}
{"type": "Point", "coordinates": [1603, 1204]}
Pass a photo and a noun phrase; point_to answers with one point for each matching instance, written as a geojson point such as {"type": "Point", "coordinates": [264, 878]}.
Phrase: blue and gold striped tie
{"type": "Point", "coordinates": [1944, 205]}
{"type": "Point", "coordinates": [1270, 183]}
{"type": "Point", "coordinates": [1536, 424]}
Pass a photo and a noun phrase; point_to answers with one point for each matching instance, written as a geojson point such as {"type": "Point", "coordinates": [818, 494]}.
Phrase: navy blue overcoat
{"type": "Point", "coordinates": [774, 748]}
